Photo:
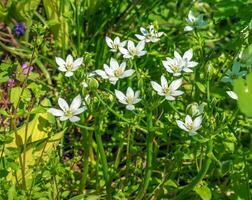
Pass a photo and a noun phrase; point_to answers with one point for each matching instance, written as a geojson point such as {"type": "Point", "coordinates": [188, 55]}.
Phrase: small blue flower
{"type": "Point", "coordinates": [19, 29]}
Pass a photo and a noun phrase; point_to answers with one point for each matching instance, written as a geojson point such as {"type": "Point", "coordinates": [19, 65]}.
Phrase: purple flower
{"type": "Point", "coordinates": [26, 69]}
{"type": "Point", "coordinates": [10, 83]}
{"type": "Point", "coordinates": [19, 29]}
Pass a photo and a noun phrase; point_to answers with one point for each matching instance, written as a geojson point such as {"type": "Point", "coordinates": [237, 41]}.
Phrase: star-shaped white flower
{"type": "Point", "coordinates": [194, 22]}
{"type": "Point", "coordinates": [191, 126]}
{"type": "Point", "coordinates": [114, 72]}
{"type": "Point", "coordinates": [173, 66]}
{"type": "Point", "coordinates": [129, 99]}
{"type": "Point", "coordinates": [170, 92]}
{"type": "Point", "coordinates": [149, 36]}
{"type": "Point", "coordinates": [186, 60]}
{"type": "Point", "coordinates": [116, 44]}
{"type": "Point", "coordinates": [68, 112]}
{"type": "Point", "coordinates": [68, 66]}
{"type": "Point", "coordinates": [133, 50]}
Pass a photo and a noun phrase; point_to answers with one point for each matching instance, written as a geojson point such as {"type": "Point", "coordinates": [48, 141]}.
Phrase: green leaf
{"type": "Point", "coordinates": [15, 95]}
{"type": "Point", "coordinates": [204, 192]}
{"type": "Point", "coordinates": [243, 88]}
{"type": "Point", "coordinates": [201, 87]}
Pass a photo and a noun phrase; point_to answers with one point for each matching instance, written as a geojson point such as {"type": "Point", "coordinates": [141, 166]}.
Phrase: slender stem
{"type": "Point", "coordinates": [85, 159]}
{"type": "Point", "coordinates": [200, 175]}
{"type": "Point", "coordinates": [148, 171]}
{"type": "Point", "coordinates": [103, 159]}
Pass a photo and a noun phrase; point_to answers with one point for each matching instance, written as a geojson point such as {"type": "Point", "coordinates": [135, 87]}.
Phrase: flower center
{"type": "Point", "coordinates": [167, 91]}
{"type": "Point", "coordinates": [68, 113]}
{"type": "Point", "coordinates": [133, 51]}
{"type": "Point", "coordinates": [115, 46]}
{"type": "Point", "coordinates": [175, 68]}
{"type": "Point", "coordinates": [118, 72]}
{"type": "Point", "coordinates": [189, 126]}
{"type": "Point", "coordinates": [69, 66]}
{"type": "Point", "coordinates": [130, 99]}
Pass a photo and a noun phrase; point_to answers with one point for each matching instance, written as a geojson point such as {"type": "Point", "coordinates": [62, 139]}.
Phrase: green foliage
{"type": "Point", "coordinates": [112, 152]}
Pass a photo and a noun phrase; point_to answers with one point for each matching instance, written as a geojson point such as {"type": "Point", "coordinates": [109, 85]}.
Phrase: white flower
{"type": "Point", "coordinates": [232, 94]}
{"type": "Point", "coordinates": [170, 92]}
{"type": "Point", "coordinates": [133, 50]}
{"type": "Point", "coordinates": [190, 125]}
{"type": "Point", "coordinates": [68, 112]}
{"type": "Point", "coordinates": [129, 99]}
{"type": "Point", "coordinates": [186, 60]}
{"type": "Point", "coordinates": [116, 44]}
{"type": "Point", "coordinates": [173, 66]}
{"type": "Point", "coordinates": [68, 66]}
{"type": "Point", "coordinates": [194, 22]}
{"type": "Point", "coordinates": [196, 109]}
{"type": "Point", "coordinates": [149, 36]}
{"type": "Point", "coordinates": [114, 72]}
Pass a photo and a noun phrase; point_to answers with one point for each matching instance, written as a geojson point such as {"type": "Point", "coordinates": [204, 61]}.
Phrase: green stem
{"type": "Point", "coordinates": [103, 159]}
{"type": "Point", "coordinates": [148, 170]}
{"type": "Point", "coordinates": [200, 175]}
{"type": "Point", "coordinates": [85, 160]}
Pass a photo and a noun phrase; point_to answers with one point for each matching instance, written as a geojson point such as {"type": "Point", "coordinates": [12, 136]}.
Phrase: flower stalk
{"type": "Point", "coordinates": [148, 171]}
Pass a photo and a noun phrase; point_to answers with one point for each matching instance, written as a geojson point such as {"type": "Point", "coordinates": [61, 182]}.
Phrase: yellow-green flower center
{"type": "Point", "coordinates": [68, 113]}
{"type": "Point", "coordinates": [167, 91]}
{"type": "Point", "coordinates": [130, 99]}
{"type": "Point", "coordinates": [69, 66]}
{"type": "Point", "coordinates": [118, 72]}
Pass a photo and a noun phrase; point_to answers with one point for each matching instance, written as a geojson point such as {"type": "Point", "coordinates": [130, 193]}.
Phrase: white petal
{"type": "Point", "coordinates": [64, 118]}
{"type": "Point", "coordinates": [197, 123]}
{"type": "Point", "coordinates": [63, 104]}
{"type": "Point", "coordinates": [130, 107]}
{"type": "Point", "coordinates": [117, 40]}
{"type": "Point", "coordinates": [114, 64]}
{"type": "Point", "coordinates": [123, 43]}
{"type": "Point", "coordinates": [130, 92]}
{"type": "Point", "coordinates": [170, 98]}
{"type": "Point", "coordinates": [186, 69]}
{"type": "Point", "coordinates": [232, 94]}
{"type": "Point", "coordinates": [131, 45]}
{"type": "Point", "coordinates": [181, 125]}
{"type": "Point", "coordinates": [68, 74]}
{"type": "Point", "coordinates": [140, 45]}
{"type": "Point", "coordinates": [101, 73]}
{"type": "Point", "coordinates": [60, 61]}
{"type": "Point", "coordinates": [156, 87]}
{"type": "Point", "coordinates": [191, 17]}
{"type": "Point", "coordinates": [56, 112]}
{"type": "Point", "coordinates": [188, 28]}
{"type": "Point", "coordinates": [123, 66]}
{"type": "Point", "coordinates": [140, 37]}
{"type": "Point", "coordinates": [143, 31]}
{"type": "Point", "coordinates": [79, 110]}
{"type": "Point", "coordinates": [109, 41]}
{"type": "Point", "coordinates": [141, 53]}
{"type": "Point", "coordinates": [74, 119]}
{"type": "Point", "coordinates": [69, 59]}
{"type": "Point", "coordinates": [108, 70]}
{"type": "Point", "coordinates": [136, 101]}
{"type": "Point", "coordinates": [175, 84]}
{"type": "Point", "coordinates": [137, 94]}
{"type": "Point", "coordinates": [188, 119]}
{"type": "Point", "coordinates": [123, 51]}
{"type": "Point", "coordinates": [120, 96]}
{"type": "Point", "coordinates": [177, 93]}
{"type": "Point", "coordinates": [128, 73]}
{"type": "Point", "coordinates": [177, 55]}
{"type": "Point", "coordinates": [62, 68]}
{"type": "Point", "coordinates": [188, 54]}
{"type": "Point", "coordinates": [75, 103]}
{"type": "Point", "coordinates": [164, 83]}
{"type": "Point", "coordinates": [77, 62]}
